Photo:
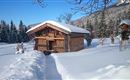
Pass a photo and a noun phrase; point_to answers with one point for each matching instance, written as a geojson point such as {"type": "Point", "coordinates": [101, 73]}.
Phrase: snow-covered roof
{"type": "Point", "coordinates": [66, 27]}
{"type": "Point", "coordinates": [126, 21]}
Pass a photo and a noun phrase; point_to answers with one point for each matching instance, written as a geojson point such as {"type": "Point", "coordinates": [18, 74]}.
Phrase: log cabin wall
{"type": "Point", "coordinates": [76, 42]}
{"type": "Point", "coordinates": [66, 43]}
{"type": "Point", "coordinates": [50, 39]}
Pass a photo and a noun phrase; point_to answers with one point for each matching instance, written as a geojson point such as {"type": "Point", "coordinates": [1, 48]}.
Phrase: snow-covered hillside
{"type": "Point", "coordinates": [95, 63]}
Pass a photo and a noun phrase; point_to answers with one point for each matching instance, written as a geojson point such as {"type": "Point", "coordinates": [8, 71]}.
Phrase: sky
{"type": "Point", "coordinates": [30, 12]}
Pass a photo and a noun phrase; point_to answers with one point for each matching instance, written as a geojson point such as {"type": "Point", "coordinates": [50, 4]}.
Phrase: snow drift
{"type": "Point", "coordinates": [101, 62]}
{"type": "Point", "coordinates": [29, 66]}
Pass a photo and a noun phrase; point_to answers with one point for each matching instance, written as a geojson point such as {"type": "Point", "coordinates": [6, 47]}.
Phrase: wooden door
{"type": "Point", "coordinates": [50, 45]}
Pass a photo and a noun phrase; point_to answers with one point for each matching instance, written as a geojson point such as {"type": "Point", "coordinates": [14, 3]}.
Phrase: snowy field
{"type": "Point", "coordinates": [94, 63]}
{"type": "Point", "coordinates": [99, 62]}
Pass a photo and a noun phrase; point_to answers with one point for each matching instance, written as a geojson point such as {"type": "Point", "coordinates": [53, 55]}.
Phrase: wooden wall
{"type": "Point", "coordinates": [48, 34]}
{"type": "Point", "coordinates": [76, 43]}
{"type": "Point", "coordinates": [59, 47]}
{"type": "Point", "coordinates": [60, 41]}
{"type": "Point", "coordinates": [40, 44]}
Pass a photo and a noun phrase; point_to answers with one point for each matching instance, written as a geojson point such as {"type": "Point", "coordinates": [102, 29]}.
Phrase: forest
{"type": "Point", "coordinates": [10, 33]}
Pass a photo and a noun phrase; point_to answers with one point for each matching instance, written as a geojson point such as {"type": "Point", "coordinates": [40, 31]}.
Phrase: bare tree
{"type": "Point", "coordinates": [40, 2]}
{"type": "Point", "coordinates": [66, 18]}
{"type": "Point", "coordinates": [86, 6]}
{"type": "Point", "coordinates": [89, 6]}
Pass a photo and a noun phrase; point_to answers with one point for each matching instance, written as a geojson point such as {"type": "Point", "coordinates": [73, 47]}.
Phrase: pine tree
{"type": "Point", "coordinates": [22, 35]}
{"type": "Point", "coordinates": [102, 25]}
{"type": "Point", "coordinates": [21, 31]}
{"type": "Point", "coordinates": [0, 32]}
{"type": "Point", "coordinates": [26, 35]}
{"type": "Point", "coordinates": [10, 34]}
{"type": "Point", "coordinates": [13, 33]}
{"type": "Point", "coordinates": [3, 32]}
{"type": "Point", "coordinates": [128, 13]}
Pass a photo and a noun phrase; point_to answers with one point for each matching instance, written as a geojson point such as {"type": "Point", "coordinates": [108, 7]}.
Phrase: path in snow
{"type": "Point", "coordinates": [51, 72]}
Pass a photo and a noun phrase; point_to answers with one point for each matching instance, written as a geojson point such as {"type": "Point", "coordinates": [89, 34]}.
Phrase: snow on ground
{"type": "Point", "coordinates": [100, 62]}
{"type": "Point", "coordinates": [93, 63]}
{"type": "Point", "coordinates": [27, 66]}
{"type": "Point", "coordinates": [7, 55]}
{"type": "Point", "coordinates": [51, 69]}
{"type": "Point", "coordinates": [32, 65]}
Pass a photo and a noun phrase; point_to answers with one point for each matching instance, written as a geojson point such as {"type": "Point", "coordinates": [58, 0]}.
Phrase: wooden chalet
{"type": "Point", "coordinates": [57, 37]}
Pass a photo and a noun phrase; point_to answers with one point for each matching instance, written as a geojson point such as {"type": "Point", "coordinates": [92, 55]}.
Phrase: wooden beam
{"type": "Point", "coordinates": [68, 42]}
{"type": "Point", "coordinates": [47, 38]}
